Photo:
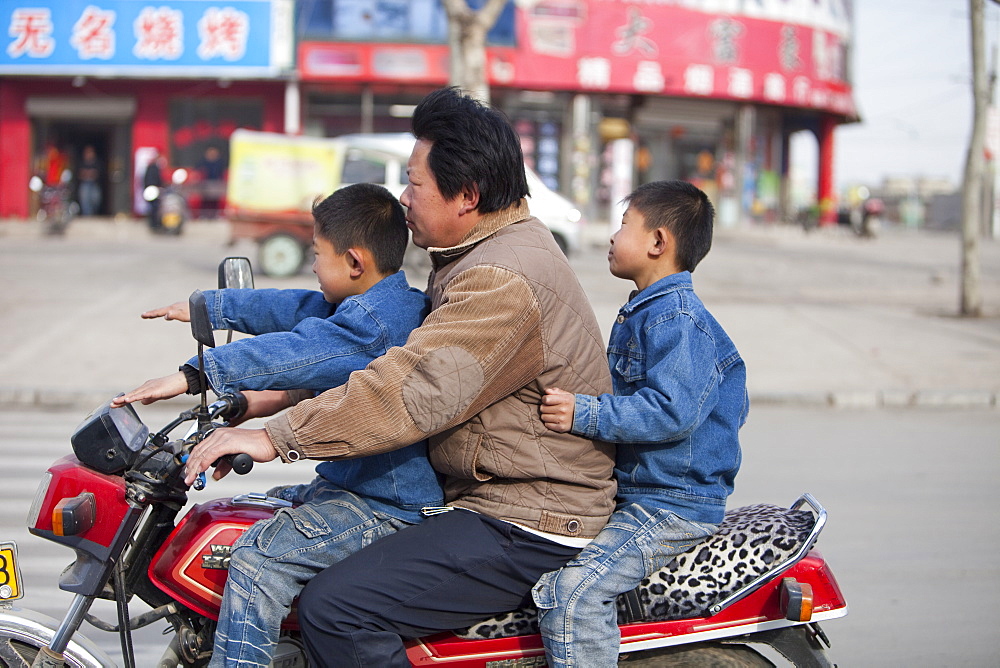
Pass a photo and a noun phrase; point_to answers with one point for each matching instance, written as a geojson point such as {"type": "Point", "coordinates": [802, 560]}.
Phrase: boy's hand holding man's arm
{"type": "Point", "coordinates": [557, 409]}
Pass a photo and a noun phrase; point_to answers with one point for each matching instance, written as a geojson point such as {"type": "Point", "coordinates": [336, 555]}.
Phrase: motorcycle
{"type": "Point", "coordinates": [168, 205]}
{"type": "Point", "coordinates": [116, 501]}
{"type": "Point", "coordinates": [56, 207]}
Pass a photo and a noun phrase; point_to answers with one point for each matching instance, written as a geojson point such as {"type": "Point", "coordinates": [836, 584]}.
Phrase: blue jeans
{"type": "Point", "coordinates": [274, 559]}
{"type": "Point", "coordinates": [576, 604]}
{"type": "Point", "coordinates": [90, 198]}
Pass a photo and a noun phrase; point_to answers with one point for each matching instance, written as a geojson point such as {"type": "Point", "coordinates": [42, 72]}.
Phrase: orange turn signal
{"type": "Point", "coordinates": [796, 600]}
{"type": "Point", "coordinates": [74, 515]}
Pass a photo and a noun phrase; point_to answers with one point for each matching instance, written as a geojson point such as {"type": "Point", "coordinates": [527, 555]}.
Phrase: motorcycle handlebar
{"type": "Point", "coordinates": [229, 406]}
{"type": "Point", "coordinates": [241, 463]}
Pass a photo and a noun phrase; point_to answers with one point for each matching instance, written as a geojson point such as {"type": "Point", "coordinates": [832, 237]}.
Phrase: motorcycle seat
{"type": "Point", "coordinates": [752, 542]}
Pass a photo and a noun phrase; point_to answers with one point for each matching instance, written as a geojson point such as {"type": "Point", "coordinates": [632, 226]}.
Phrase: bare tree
{"type": "Point", "coordinates": [973, 179]}
{"type": "Point", "coordinates": [467, 30]}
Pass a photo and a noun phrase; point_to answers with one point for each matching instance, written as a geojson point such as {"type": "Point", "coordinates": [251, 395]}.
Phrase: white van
{"type": "Point", "coordinates": [381, 158]}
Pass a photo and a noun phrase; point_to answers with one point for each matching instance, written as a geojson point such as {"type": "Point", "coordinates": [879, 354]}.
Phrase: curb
{"type": "Point", "coordinates": [57, 399]}
{"type": "Point", "coordinates": [87, 399]}
{"type": "Point", "coordinates": [886, 399]}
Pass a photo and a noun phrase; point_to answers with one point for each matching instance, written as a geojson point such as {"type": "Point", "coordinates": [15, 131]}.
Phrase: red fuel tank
{"type": "Point", "coordinates": [193, 563]}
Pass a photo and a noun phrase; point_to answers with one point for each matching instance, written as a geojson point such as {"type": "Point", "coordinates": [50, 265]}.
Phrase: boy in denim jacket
{"type": "Point", "coordinates": [679, 401]}
{"type": "Point", "coordinates": [310, 341]}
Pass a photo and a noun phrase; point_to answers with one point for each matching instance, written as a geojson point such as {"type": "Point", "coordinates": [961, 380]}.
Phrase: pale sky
{"type": "Point", "coordinates": [912, 85]}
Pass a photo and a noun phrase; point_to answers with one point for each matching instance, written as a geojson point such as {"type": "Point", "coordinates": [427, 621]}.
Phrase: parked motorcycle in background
{"type": "Point", "coordinates": [120, 502]}
{"type": "Point", "coordinates": [871, 217]}
{"type": "Point", "coordinates": [863, 213]}
{"type": "Point", "coordinates": [56, 207]}
{"type": "Point", "coordinates": [168, 207]}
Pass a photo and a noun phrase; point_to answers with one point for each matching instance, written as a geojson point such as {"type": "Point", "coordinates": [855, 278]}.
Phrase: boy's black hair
{"type": "Point", "coordinates": [684, 210]}
{"type": "Point", "coordinates": [364, 215]}
{"type": "Point", "coordinates": [473, 146]}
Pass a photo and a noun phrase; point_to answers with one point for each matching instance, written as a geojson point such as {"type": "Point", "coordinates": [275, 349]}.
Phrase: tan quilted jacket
{"type": "Point", "coordinates": [508, 319]}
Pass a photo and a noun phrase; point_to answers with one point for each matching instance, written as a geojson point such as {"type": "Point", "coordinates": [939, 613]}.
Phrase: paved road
{"type": "Point", "coordinates": [912, 535]}
{"type": "Point", "coordinates": [820, 319]}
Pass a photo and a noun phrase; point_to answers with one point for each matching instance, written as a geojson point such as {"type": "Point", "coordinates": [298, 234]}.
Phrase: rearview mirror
{"type": "Point", "coordinates": [235, 272]}
{"type": "Point", "coordinates": [201, 324]}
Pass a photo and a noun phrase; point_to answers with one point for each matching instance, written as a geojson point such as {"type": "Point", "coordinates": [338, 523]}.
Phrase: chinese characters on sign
{"type": "Point", "coordinates": [159, 33]}
{"type": "Point", "coordinates": [129, 33]}
{"type": "Point", "coordinates": [223, 32]}
{"type": "Point", "coordinates": [93, 36]}
{"type": "Point", "coordinates": [32, 33]}
{"type": "Point", "coordinates": [789, 52]}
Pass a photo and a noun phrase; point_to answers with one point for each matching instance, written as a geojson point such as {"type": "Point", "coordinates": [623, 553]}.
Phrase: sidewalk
{"type": "Point", "coordinates": [822, 319]}
{"type": "Point", "coordinates": [829, 319]}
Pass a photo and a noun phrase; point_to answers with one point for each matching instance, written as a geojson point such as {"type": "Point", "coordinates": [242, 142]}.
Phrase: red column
{"type": "Point", "coordinates": [824, 188]}
{"type": "Point", "coordinates": [15, 151]}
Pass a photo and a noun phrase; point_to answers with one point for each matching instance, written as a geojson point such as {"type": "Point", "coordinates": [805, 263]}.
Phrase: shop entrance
{"type": "Point", "coordinates": [62, 131]}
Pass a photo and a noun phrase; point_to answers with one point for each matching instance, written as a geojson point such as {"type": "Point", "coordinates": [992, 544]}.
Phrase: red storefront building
{"type": "Point", "coordinates": [606, 94]}
{"type": "Point", "coordinates": [129, 78]}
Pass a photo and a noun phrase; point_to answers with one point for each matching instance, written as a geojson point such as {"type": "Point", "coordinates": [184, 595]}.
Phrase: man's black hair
{"type": "Point", "coordinates": [684, 210]}
{"type": "Point", "coordinates": [473, 146]}
{"type": "Point", "coordinates": [364, 215]}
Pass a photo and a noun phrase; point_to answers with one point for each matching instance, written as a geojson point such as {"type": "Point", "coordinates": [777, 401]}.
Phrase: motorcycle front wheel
{"type": "Point", "coordinates": [696, 656]}
{"type": "Point", "coordinates": [23, 632]}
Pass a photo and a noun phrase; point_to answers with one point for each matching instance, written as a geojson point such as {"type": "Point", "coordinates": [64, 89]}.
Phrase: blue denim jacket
{"type": "Point", "coordinates": [679, 401]}
{"type": "Point", "coordinates": [303, 342]}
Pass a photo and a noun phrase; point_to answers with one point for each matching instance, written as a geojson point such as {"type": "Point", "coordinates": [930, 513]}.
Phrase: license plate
{"type": "Point", "coordinates": [10, 573]}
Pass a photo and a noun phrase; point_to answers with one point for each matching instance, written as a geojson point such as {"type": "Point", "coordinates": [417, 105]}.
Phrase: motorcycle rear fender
{"type": "Point", "coordinates": [757, 615]}
{"type": "Point", "coordinates": [37, 629]}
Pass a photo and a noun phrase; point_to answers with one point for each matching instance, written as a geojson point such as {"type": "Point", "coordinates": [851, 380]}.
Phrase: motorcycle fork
{"type": "Point", "coordinates": [98, 578]}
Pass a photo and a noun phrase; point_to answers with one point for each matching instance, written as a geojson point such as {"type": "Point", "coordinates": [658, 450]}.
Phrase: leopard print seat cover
{"type": "Point", "coordinates": [751, 540]}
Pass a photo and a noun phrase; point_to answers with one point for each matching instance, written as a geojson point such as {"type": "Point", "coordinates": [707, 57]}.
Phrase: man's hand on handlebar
{"type": "Point", "coordinates": [227, 441]}
{"type": "Point", "coordinates": [154, 390]}
{"type": "Point", "coordinates": [177, 311]}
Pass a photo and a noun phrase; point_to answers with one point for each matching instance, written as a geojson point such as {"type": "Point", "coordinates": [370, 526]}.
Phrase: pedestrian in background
{"type": "Point", "coordinates": [212, 171]}
{"type": "Point", "coordinates": [88, 176]}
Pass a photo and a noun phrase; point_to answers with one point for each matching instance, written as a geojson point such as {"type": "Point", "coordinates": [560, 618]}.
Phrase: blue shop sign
{"type": "Point", "coordinates": [151, 38]}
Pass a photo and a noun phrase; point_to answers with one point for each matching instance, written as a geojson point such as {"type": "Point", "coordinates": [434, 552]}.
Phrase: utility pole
{"type": "Point", "coordinates": [971, 302]}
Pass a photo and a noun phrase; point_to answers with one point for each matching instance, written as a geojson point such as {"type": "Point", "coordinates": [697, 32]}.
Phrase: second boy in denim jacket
{"type": "Point", "coordinates": [679, 401]}
{"type": "Point", "coordinates": [309, 340]}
